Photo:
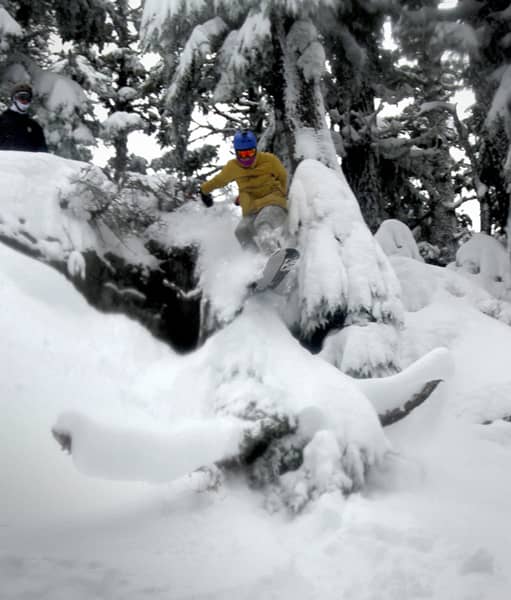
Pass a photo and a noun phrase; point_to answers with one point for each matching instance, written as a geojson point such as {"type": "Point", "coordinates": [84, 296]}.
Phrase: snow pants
{"type": "Point", "coordinates": [264, 230]}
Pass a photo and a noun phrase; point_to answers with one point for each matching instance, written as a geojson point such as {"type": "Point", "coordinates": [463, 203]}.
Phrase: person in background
{"type": "Point", "coordinates": [262, 181]}
{"type": "Point", "coordinates": [18, 131]}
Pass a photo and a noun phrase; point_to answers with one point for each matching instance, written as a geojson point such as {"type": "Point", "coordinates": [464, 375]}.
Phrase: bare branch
{"type": "Point", "coordinates": [193, 294]}
{"type": "Point", "coordinates": [396, 414]}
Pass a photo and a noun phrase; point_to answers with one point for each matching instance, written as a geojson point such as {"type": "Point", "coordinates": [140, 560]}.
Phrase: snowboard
{"type": "Point", "coordinates": [279, 265]}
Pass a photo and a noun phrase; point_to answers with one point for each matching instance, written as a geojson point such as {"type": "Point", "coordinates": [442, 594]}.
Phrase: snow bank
{"type": "Point", "coordinates": [423, 284]}
{"type": "Point", "coordinates": [59, 354]}
{"type": "Point", "coordinates": [406, 536]}
{"type": "Point", "coordinates": [486, 262]}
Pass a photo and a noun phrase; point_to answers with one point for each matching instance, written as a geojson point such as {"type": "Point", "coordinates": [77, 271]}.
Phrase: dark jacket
{"type": "Point", "coordinates": [20, 132]}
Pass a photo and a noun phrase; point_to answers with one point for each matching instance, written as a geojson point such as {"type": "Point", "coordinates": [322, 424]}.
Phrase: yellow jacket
{"type": "Point", "coordinates": [261, 184]}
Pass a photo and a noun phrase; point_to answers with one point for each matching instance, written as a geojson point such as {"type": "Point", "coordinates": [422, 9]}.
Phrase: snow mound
{"type": "Point", "coordinates": [395, 238]}
{"type": "Point", "coordinates": [31, 211]}
{"type": "Point", "coordinates": [486, 262]}
{"type": "Point", "coordinates": [268, 404]}
{"type": "Point", "coordinates": [423, 284]}
{"type": "Point", "coordinates": [491, 403]}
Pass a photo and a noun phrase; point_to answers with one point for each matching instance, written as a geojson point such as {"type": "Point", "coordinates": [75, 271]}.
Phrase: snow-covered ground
{"type": "Point", "coordinates": [432, 519]}
{"type": "Point", "coordinates": [432, 522]}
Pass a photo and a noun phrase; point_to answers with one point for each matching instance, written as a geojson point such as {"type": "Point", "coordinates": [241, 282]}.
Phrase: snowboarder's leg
{"type": "Point", "coordinates": [245, 232]}
{"type": "Point", "coordinates": [268, 226]}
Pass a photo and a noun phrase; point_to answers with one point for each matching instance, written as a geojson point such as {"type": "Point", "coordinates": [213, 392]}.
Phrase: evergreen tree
{"type": "Point", "coordinates": [489, 76]}
{"type": "Point", "coordinates": [249, 53]}
{"type": "Point", "coordinates": [425, 169]}
{"type": "Point", "coordinates": [127, 100]}
{"type": "Point", "coordinates": [360, 72]}
{"type": "Point", "coordinates": [111, 72]}
{"type": "Point", "coordinates": [61, 104]}
{"type": "Point", "coordinates": [479, 32]}
{"type": "Point", "coordinates": [99, 63]}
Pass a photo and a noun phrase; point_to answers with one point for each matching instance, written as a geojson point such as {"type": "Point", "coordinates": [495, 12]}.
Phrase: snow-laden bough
{"type": "Point", "coordinates": [253, 398]}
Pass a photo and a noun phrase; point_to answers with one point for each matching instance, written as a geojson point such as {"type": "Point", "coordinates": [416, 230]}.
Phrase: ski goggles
{"type": "Point", "coordinates": [24, 97]}
{"type": "Point", "coordinates": [244, 154]}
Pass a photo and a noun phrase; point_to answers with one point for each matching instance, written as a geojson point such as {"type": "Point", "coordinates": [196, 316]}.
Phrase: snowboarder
{"type": "Point", "coordinates": [262, 181]}
{"type": "Point", "coordinates": [17, 130]}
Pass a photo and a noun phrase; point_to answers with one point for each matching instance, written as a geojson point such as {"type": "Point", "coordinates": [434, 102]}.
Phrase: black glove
{"type": "Point", "coordinates": [207, 199]}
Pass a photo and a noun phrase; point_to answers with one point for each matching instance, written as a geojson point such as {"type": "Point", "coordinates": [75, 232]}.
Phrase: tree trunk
{"type": "Point", "coordinates": [300, 128]}
{"type": "Point", "coordinates": [363, 173]}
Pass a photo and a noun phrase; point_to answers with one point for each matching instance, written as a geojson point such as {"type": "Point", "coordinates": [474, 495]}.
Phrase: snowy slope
{"type": "Point", "coordinates": [30, 204]}
{"type": "Point", "coordinates": [42, 211]}
{"type": "Point", "coordinates": [433, 521]}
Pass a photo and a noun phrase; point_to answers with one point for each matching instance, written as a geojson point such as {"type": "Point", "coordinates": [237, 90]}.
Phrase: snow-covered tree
{"type": "Point", "coordinates": [77, 53]}
{"type": "Point", "coordinates": [485, 260]}
{"type": "Point", "coordinates": [294, 424]}
{"type": "Point", "coordinates": [127, 99]}
{"type": "Point", "coordinates": [66, 112]}
{"type": "Point", "coordinates": [10, 30]}
{"type": "Point", "coordinates": [114, 77]}
{"type": "Point", "coordinates": [61, 104]}
{"type": "Point", "coordinates": [347, 302]}
{"type": "Point", "coordinates": [490, 77]}
{"type": "Point", "coordinates": [247, 52]}
{"type": "Point", "coordinates": [428, 165]}
{"type": "Point", "coordinates": [480, 32]}
{"type": "Point", "coordinates": [359, 79]}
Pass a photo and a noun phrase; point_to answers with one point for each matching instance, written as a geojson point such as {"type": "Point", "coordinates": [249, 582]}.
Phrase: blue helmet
{"type": "Point", "coordinates": [244, 140]}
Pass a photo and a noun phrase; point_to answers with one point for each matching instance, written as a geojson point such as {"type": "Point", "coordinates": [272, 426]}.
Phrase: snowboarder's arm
{"type": "Point", "coordinates": [225, 176]}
